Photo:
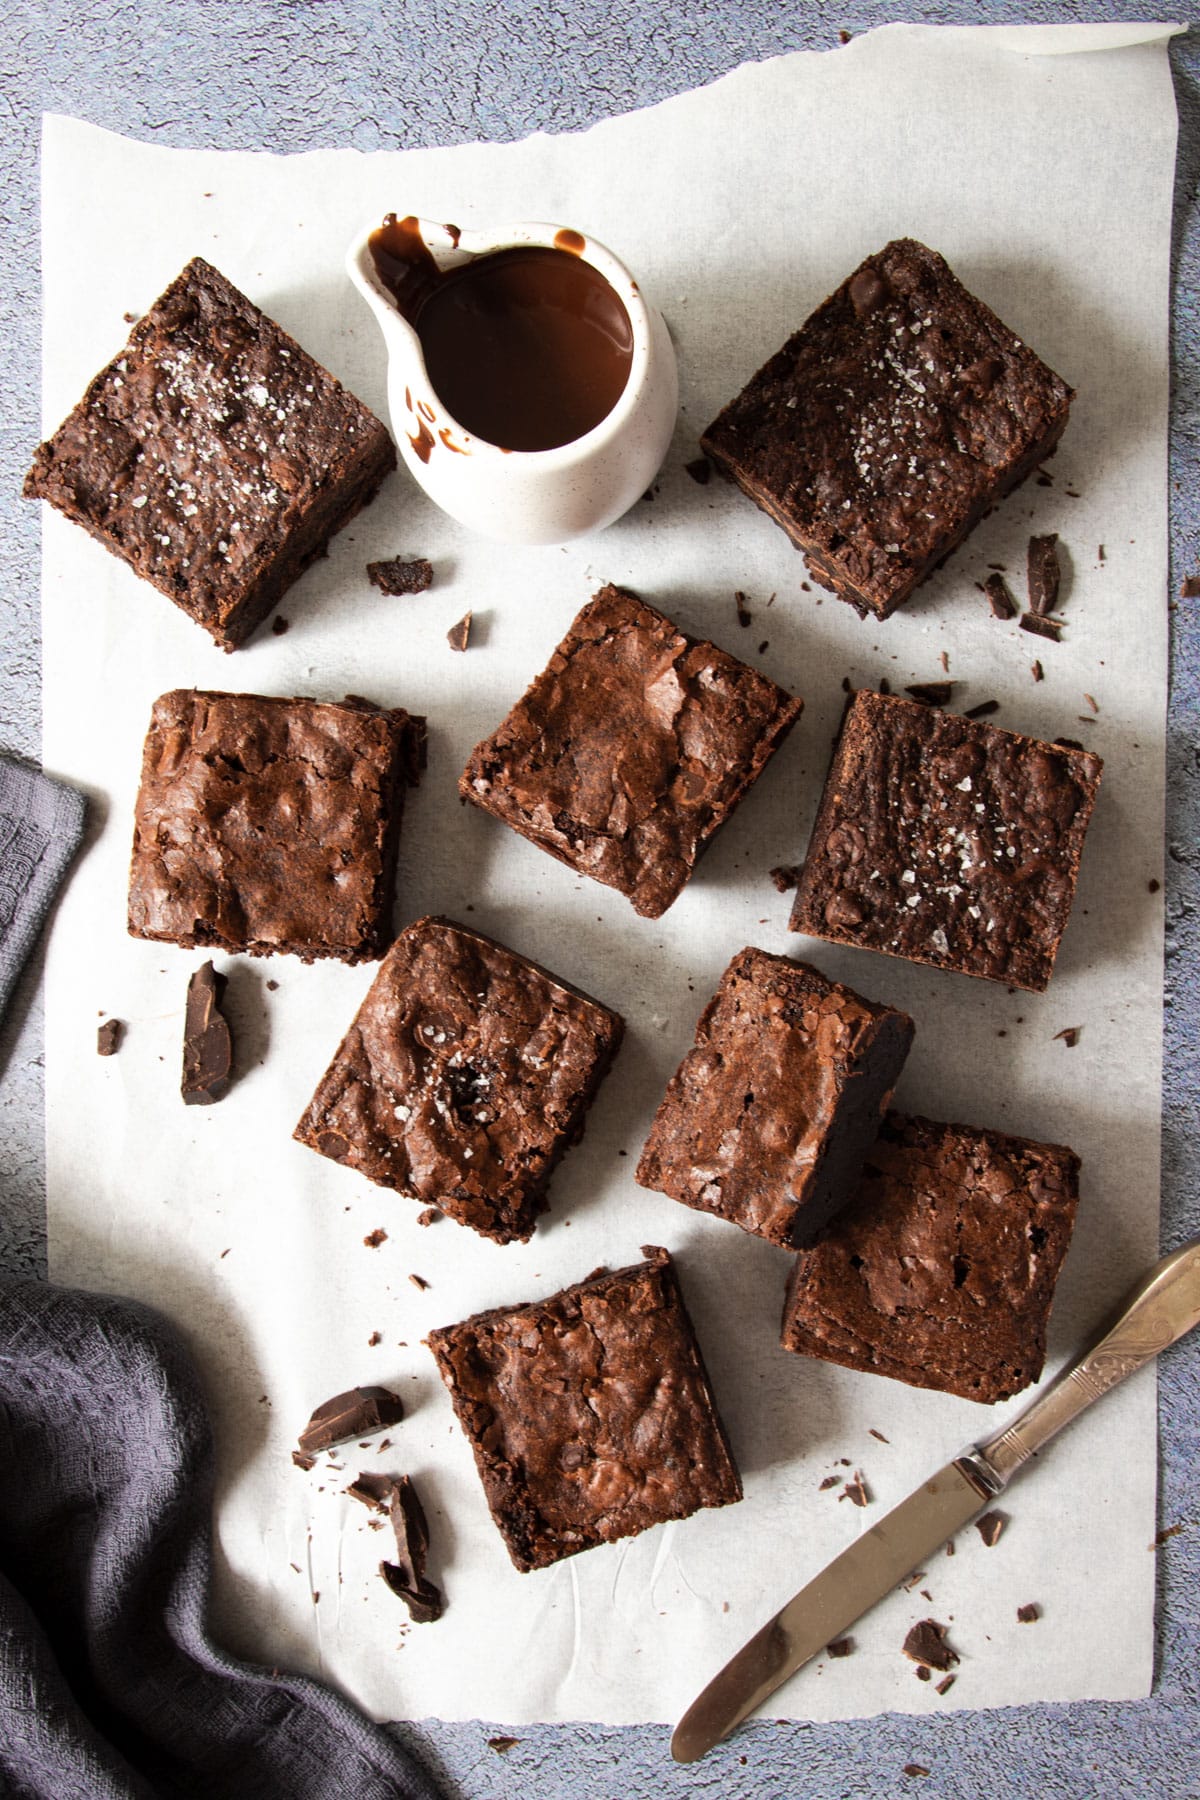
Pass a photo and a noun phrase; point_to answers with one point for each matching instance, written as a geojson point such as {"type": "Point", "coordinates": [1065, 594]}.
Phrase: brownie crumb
{"type": "Point", "coordinates": [931, 693]}
{"type": "Point", "coordinates": [1070, 1036]}
{"type": "Point", "coordinates": [915, 1769]}
{"type": "Point", "coordinates": [108, 1037]}
{"type": "Point", "coordinates": [844, 36]}
{"type": "Point", "coordinates": [700, 470]}
{"type": "Point", "coordinates": [990, 1527]}
{"type": "Point", "coordinates": [945, 1684]}
{"type": "Point", "coordinates": [926, 1643]}
{"type": "Point", "coordinates": [376, 1337]}
{"type": "Point", "coordinates": [1028, 1614]}
{"type": "Point", "coordinates": [840, 1647]}
{"type": "Point", "coordinates": [1039, 674]}
{"type": "Point", "coordinates": [922, 1673]}
{"type": "Point", "coordinates": [279, 625]}
{"type": "Point", "coordinates": [207, 1041]}
{"type": "Point", "coordinates": [878, 1434]}
{"type": "Point", "coordinates": [1000, 598]}
{"type": "Point", "coordinates": [984, 710]}
{"type": "Point", "coordinates": [501, 1745]}
{"type": "Point", "coordinates": [1153, 886]}
{"type": "Point", "coordinates": [785, 876]}
{"type": "Point", "coordinates": [856, 1490]}
{"type": "Point", "coordinates": [419, 1281]}
{"type": "Point", "coordinates": [459, 636]}
{"type": "Point", "coordinates": [401, 577]}
{"type": "Point", "coordinates": [272, 987]}
{"type": "Point", "coordinates": [374, 1238]}
{"type": "Point", "coordinates": [744, 615]}
{"type": "Point", "coordinates": [429, 1216]}
{"type": "Point", "coordinates": [1042, 627]}
{"type": "Point", "coordinates": [764, 646]}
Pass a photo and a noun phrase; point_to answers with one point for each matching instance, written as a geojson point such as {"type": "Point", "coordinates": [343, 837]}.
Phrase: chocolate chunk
{"type": "Point", "coordinates": [785, 876]}
{"type": "Point", "coordinates": [373, 1490]}
{"type": "Point", "coordinates": [990, 1526]}
{"type": "Point", "coordinates": [207, 1044]}
{"type": "Point", "coordinates": [926, 1643]}
{"type": "Point", "coordinates": [744, 615]}
{"type": "Point", "coordinates": [108, 1037]}
{"type": "Point", "coordinates": [984, 710]}
{"type": "Point", "coordinates": [406, 1577]}
{"type": "Point", "coordinates": [354, 1414]}
{"type": "Point", "coordinates": [932, 693]}
{"type": "Point", "coordinates": [1043, 574]}
{"type": "Point", "coordinates": [1000, 598]}
{"type": "Point", "coordinates": [1028, 1614]}
{"type": "Point", "coordinates": [303, 1460]}
{"type": "Point", "coordinates": [401, 577]}
{"type": "Point", "coordinates": [700, 470]}
{"type": "Point", "coordinates": [1040, 627]}
{"type": "Point", "coordinates": [459, 636]}
{"type": "Point", "coordinates": [840, 1647]}
{"type": "Point", "coordinates": [1070, 1036]}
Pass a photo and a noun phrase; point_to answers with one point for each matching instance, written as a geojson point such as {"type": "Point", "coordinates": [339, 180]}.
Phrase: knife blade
{"type": "Point", "coordinates": [1163, 1306]}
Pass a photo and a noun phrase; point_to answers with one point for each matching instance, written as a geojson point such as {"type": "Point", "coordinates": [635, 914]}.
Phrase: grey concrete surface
{"type": "Point", "coordinates": [293, 75]}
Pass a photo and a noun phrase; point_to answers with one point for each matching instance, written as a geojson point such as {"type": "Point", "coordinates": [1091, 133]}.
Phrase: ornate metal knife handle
{"type": "Point", "coordinates": [1162, 1307]}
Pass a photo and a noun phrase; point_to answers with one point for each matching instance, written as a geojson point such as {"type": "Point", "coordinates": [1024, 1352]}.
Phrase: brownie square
{"type": "Point", "coordinates": [271, 825]}
{"type": "Point", "coordinates": [941, 1271]}
{"type": "Point", "coordinates": [770, 1115]}
{"type": "Point", "coordinates": [630, 749]}
{"type": "Point", "coordinates": [463, 1079]}
{"type": "Point", "coordinates": [946, 841]}
{"type": "Point", "coordinates": [589, 1414]}
{"type": "Point", "coordinates": [213, 455]}
{"type": "Point", "coordinates": [886, 427]}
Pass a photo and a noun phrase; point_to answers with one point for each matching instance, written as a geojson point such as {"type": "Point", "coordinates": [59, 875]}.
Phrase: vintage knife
{"type": "Point", "coordinates": [1161, 1308]}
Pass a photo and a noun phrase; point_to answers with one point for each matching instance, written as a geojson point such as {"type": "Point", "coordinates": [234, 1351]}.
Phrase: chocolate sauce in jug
{"type": "Point", "coordinates": [528, 348]}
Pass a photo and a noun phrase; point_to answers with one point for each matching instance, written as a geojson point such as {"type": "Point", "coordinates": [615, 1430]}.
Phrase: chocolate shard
{"type": "Point", "coordinates": [459, 636]}
{"type": "Point", "coordinates": [1043, 573]}
{"type": "Point", "coordinates": [108, 1037]}
{"type": "Point", "coordinates": [926, 1643]}
{"type": "Point", "coordinates": [1000, 598]}
{"type": "Point", "coordinates": [990, 1527]}
{"type": "Point", "coordinates": [744, 615]}
{"type": "Point", "coordinates": [400, 576]}
{"type": "Point", "coordinates": [406, 1577]}
{"type": "Point", "coordinates": [840, 1647]}
{"type": "Point", "coordinates": [303, 1460]}
{"type": "Point", "coordinates": [207, 1044]}
{"type": "Point", "coordinates": [1070, 1037]}
{"type": "Point", "coordinates": [355, 1414]}
{"type": "Point", "coordinates": [501, 1745]}
{"type": "Point", "coordinates": [931, 693]}
{"type": "Point", "coordinates": [984, 710]}
{"type": "Point", "coordinates": [373, 1490]}
{"type": "Point", "coordinates": [1042, 627]}
{"type": "Point", "coordinates": [856, 1490]}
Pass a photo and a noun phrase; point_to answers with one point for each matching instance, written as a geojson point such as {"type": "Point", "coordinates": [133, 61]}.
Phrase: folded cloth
{"type": "Point", "coordinates": [41, 823]}
{"type": "Point", "coordinates": [110, 1687]}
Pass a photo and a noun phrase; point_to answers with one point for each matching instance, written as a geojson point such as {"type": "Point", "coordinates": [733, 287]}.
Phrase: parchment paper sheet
{"type": "Point", "coordinates": [1046, 181]}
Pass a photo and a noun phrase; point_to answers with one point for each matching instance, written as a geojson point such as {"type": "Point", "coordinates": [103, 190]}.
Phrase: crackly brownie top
{"type": "Point", "coordinates": [942, 1269]}
{"type": "Point", "coordinates": [589, 1413]}
{"type": "Point", "coordinates": [748, 1114]}
{"type": "Point", "coordinates": [198, 447]}
{"type": "Point", "coordinates": [463, 1078]}
{"type": "Point", "coordinates": [263, 823]}
{"type": "Point", "coordinates": [630, 749]}
{"type": "Point", "coordinates": [886, 418]}
{"type": "Point", "coordinates": [947, 840]}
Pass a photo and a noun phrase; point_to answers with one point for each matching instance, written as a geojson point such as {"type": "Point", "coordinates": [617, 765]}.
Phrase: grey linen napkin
{"type": "Point", "coordinates": [41, 823]}
{"type": "Point", "coordinates": [110, 1687]}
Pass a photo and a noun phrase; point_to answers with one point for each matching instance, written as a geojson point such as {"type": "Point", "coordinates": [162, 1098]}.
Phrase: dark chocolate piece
{"type": "Point", "coordinates": [207, 1043]}
{"type": "Point", "coordinates": [1000, 598]}
{"type": "Point", "coordinates": [354, 1414]}
{"type": "Point", "coordinates": [945, 1684]}
{"type": "Point", "coordinates": [1040, 627]}
{"type": "Point", "coordinates": [840, 1647]}
{"type": "Point", "coordinates": [941, 1270]}
{"type": "Point", "coordinates": [399, 576]}
{"type": "Point", "coordinates": [1039, 674]}
{"type": "Point", "coordinates": [990, 1527]}
{"type": "Point", "coordinates": [630, 749]}
{"type": "Point", "coordinates": [270, 825]}
{"type": "Point", "coordinates": [946, 841]}
{"type": "Point", "coordinates": [1027, 1614]}
{"type": "Point", "coordinates": [922, 1673]}
{"type": "Point", "coordinates": [108, 1037]}
{"type": "Point", "coordinates": [984, 710]}
{"type": "Point", "coordinates": [926, 1643]}
{"type": "Point", "coordinates": [213, 455]}
{"type": "Point", "coordinates": [303, 1460]}
{"type": "Point", "coordinates": [465, 1076]}
{"type": "Point", "coordinates": [767, 1120]}
{"type": "Point", "coordinates": [1043, 574]}
{"type": "Point", "coordinates": [885, 428]}
{"type": "Point", "coordinates": [459, 636]}
{"type": "Point", "coordinates": [406, 1576]}
{"type": "Point", "coordinates": [372, 1489]}
{"type": "Point", "coordinates": [590, 1413]}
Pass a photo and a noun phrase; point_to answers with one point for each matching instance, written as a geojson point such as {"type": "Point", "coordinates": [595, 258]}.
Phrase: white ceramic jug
{"type": "Point", "coordinates": [524, 496]}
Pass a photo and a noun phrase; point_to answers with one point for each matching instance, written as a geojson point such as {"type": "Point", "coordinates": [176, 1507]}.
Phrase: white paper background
{"type": "Point", "coordinates": [1046, 181]}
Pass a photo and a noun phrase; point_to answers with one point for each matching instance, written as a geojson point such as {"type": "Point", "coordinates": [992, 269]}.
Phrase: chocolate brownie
{"type": "Point", "coordinates": [270, 825]}
{"type": "Point", "coordinates": [589, 1414]}
{"type": "Point", "coordinates": [213, 455]}
{"type": "Point", "coordinates": [886, 427]}
{"type": "Point", "coordinates": [769, 1117]}
{"type": "Point", "coordinates": [463, 1079]}
{"type": "Point", "coordinates": [946, 840]}
{"type": "Point", "coordinates": [941, 1271]}
{"type": "Point", "coordinates": [630, 749]}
